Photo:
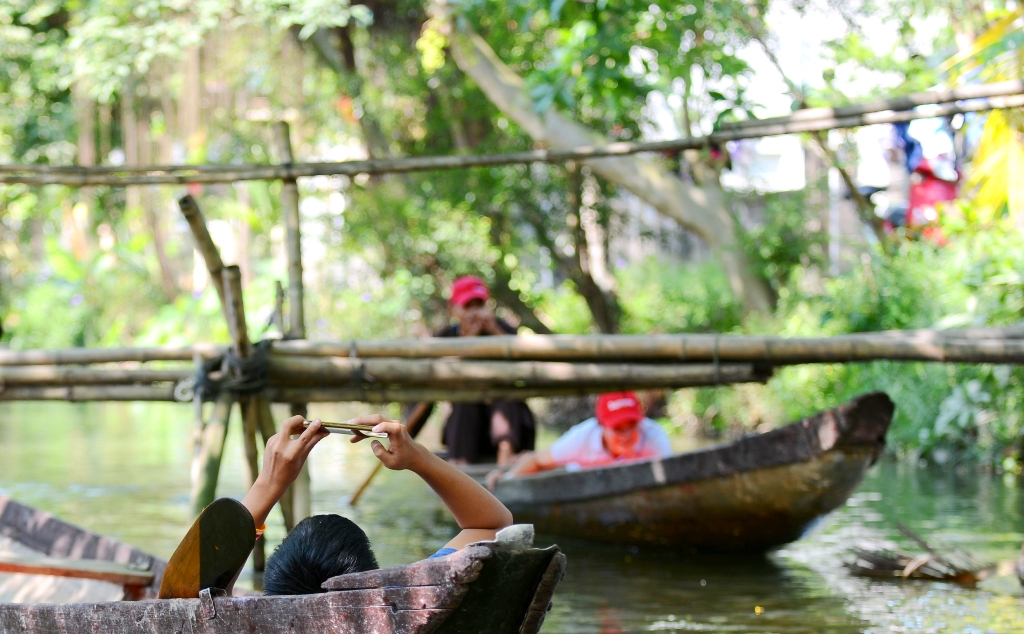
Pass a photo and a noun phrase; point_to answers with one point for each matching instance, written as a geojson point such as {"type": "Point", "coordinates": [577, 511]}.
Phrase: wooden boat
{"type": "Point", "coordinates": [751, 494]}
{"type": "Point", "coordinates": [503, 586]}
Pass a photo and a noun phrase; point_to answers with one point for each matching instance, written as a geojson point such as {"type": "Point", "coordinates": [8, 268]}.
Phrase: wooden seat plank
{"type": "Point", "coordinates": [76, 568]}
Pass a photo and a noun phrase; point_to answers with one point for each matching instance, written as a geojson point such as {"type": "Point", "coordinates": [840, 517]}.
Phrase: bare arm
{"type": "Point", "coordinates": [532, 462]}
{"type": "Point", "coordinates": [282, 460]}
{"type": "Point", "coordinates": [478, 513]}
{"type": "Point", "coordinates": [529, 462]}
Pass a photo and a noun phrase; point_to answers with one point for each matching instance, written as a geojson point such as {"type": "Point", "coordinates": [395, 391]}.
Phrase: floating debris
{"type": "Point", "coordinates": [955, 566]}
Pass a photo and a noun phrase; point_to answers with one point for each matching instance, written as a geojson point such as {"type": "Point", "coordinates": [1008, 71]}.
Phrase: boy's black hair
{"type": "Point", "coordinates": [318, 548]}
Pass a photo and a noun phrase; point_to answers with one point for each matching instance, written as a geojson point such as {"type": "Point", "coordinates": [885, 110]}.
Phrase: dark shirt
{"type": "Point", "coordinates": [453, 330]}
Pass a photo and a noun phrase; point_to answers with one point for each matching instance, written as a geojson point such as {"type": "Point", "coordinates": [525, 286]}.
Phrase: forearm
{"type": "Point", "coordinates": [532, 462]}
{"type": "Point", "coordinates": [260, 500]}
{"type": "Point", "coordinates": [472, 505]}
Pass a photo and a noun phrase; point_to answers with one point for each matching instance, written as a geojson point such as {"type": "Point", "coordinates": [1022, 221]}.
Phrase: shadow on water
{"type": "Point", "coordinates": [626, 589]}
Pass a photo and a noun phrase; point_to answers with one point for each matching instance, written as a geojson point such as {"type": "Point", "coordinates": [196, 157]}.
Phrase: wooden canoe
{"type": "Point", "coordinates": [751, 494]}
{"type": "Point", "coordinates": [504, 586]}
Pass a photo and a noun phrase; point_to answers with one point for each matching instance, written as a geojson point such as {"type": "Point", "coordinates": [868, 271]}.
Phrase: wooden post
{"type": "Point", "coordinates": [301, 489]}
{"type": "Point", "coordinates": [235, 308]}
{"type": "Point", "coordinates": [207, 463]}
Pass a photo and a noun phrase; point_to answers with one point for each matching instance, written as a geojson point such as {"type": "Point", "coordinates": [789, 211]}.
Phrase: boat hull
{"type": "Point", "coordinates": [750, 511]}
{"type": "Point", "coordinates": [501, 587]}
{"type": "Point", "coordinates": [753, 494]}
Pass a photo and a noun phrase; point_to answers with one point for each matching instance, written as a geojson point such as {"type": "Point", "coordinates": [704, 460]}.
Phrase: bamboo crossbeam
{"type": "Point", "coordinates": [419, 395]}
{"type": "Point", "coordinates": [72, 356]}
{"type": "Point", "coordinates": [690, 348]}
{"type": "Point", "coordinates": [907, 102]}
{"type": "Point", "coordinates": [643, 348]}
{"type": "Point", "coordinates": [462, 374]}
{"type": "Point", "coordinates": [73, 375]}
{"type": "Point", "coordinates": [79, 393]}
{"type": "Point", "coordinates": [120, 176]}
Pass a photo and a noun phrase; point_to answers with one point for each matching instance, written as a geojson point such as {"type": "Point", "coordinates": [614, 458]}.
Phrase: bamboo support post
{"type": "Point", "coordinates": [996, 96]}
{"type": "Point", "coordinates": [235, 310]}
{"type": "Point", "coordinates": [206, 466]}
{"type": "Point", "coordinates": [198, 425]}
{"type": "Point", "coordinates": [301, 488]}
{"type": "Point", "coordinates": [205, 245]}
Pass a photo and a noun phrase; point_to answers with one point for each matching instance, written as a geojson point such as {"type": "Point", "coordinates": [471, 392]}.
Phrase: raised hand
{"type": "Point", "coordinates": [282, 461]}
{"type": "Point", "coordinates": [402, 451]}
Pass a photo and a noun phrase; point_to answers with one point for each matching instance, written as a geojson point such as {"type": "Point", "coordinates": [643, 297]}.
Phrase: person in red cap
{"type": "Point", "coordinates": [483, 432]}
{"type": "Point", "coordinates": [618, 433]}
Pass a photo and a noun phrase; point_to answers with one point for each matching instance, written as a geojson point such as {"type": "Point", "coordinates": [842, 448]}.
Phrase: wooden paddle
{"type": "Point", "coordinates": [417, 418]}
{"type": "Point", "coordinates": [212, 552]}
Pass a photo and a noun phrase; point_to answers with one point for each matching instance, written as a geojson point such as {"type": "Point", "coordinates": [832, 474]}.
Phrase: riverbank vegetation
{"type": "Point", "coordinates": [636, 245]}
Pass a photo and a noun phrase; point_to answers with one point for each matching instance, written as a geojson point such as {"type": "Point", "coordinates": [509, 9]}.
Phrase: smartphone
{"type": "Point", "coordinates": [348, 428]}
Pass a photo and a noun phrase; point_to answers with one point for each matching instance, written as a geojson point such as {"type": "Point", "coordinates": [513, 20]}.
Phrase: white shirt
{"type": "Point", "coordinates": [583, 445]}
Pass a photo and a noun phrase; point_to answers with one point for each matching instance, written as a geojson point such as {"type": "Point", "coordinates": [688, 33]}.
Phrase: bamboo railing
{"type": "Point", "coordinates": [946, 103]}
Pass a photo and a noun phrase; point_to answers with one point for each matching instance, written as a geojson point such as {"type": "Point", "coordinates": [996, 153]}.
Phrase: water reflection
{"type": "Point", "coordinates": [122, 469]}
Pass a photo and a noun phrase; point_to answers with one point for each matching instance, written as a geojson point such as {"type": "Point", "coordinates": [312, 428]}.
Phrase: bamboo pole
{"type": "Point", "coordinates": [688, 348]}
{"type": "Point", "coordinates": [76, 375]}
{"type": "Point", "coordinates": [206, 466]}
{"type": "Point", "coordinates": [185, 174]}
{"type": "Point", "coordinates": [301, 489]}
{"type": "Point", "coordinates": [205, 245]}
{"type": "Point", "coordinates": [457, 373]}
{"type": "Point", "coordinates": [80, 394]}
{"type": "Point", "coordinates": [647, 348]}
{"type": "Point", "coordinates": [69, 356]}
{"type": "Point", "coordinates": [235, 311]}
{"type": "Point", "coordinates": [293, 236]}
{"type": "Point", "coordinates": [907, 102]}
{"type": "Point", "coordinates": [416, 395]}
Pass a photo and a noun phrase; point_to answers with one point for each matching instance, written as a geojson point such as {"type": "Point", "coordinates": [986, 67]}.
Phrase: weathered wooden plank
{"type": "Point", "coordinates": [540, 605]}
{"type": "Point", "coordinates": [76, 569]}
{"type": "Point", "coordinates": [461, 567]}
{"type": "Point", "coordinates": [322, 613]}
{"type": "Point", "coordinates": [51, 536]}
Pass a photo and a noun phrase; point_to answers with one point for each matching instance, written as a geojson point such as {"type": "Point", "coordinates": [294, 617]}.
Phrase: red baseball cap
{"type": "Point", "coordinates": [619, 409]}
{"type": "Point", "coordinates": [467, 288]}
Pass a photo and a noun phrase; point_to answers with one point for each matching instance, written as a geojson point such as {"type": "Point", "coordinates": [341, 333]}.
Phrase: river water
{"type": "Point", "coordinates": [122, 470]}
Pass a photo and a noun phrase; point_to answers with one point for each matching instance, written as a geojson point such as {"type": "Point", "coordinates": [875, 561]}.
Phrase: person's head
{"type": "Point", "coordinates": [468, 293]}
{"type": "Point", "coordinates": [318, 548]}
{"type": "Point", "coordinates": [619, 414]}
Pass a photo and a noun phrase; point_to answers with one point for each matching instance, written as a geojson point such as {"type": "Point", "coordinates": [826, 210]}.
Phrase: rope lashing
{"type": "Point", "coordinates": [238, 375]}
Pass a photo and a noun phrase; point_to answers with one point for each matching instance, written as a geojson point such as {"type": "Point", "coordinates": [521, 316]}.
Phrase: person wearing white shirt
{"type": "Point", "coordinates": [618, 433]}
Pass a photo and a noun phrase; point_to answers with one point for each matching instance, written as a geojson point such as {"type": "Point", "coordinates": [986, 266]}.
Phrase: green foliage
{"type": "Point", "coordinates": [663, 296]}
{"type": "Point", "coordinates": [599, 60]}
{"type": "Point", "coordinates": [784, 240]}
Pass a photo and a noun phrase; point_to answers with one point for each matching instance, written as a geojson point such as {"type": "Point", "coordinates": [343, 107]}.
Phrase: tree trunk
{"type": "Point", "coordinates": [701, 210]}
{"type": "Point", "coordinates": [583, 271]}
